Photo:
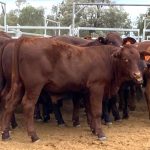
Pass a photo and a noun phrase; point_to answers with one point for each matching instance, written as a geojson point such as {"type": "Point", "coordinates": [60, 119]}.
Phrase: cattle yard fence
{"type": "Point", "coordinates": [101, 4]}
{"type": "Point", "coordinates": [3, 6]}
{"type": "Point", "coordinates": [72, 29]}
{"type": "Point", "coordinates": [17, 30]}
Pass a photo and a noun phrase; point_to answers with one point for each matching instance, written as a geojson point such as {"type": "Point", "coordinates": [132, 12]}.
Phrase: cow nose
{"type": "Point", "coordinates": [138, 76]}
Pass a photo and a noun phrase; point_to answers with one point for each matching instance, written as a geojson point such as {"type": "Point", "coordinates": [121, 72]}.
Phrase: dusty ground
{"type": "Point", "coordinates": [131, 134]}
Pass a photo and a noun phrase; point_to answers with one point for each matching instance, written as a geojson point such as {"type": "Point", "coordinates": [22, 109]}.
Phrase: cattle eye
{"type": "Point", "coordinates": [125, 60]}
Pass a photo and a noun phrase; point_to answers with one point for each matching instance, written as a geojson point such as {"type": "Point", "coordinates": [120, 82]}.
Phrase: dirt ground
{"type": "Point", "coordinates": [131, 134]}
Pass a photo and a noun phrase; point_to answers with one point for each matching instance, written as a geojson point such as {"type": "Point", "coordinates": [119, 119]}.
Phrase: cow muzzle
{"type": "Point", "coordinates": [138, 77]}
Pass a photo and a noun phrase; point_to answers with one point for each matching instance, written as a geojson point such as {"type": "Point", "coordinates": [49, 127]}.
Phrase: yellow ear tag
{"type": "Point", "coordinates": [147, 58]}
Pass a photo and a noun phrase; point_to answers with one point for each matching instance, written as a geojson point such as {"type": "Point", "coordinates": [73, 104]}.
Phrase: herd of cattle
{"type": "Point", "coordinates": [92, 69]}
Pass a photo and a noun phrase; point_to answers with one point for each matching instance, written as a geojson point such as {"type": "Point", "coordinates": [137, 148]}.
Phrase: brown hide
{"type": "Point", "coordinates": [60, 67]}
{"type": "Point", "coordinates": [4, 34]}
{"type": "Point", "coordinates": [71, 40]}
{"type": "Point", "coordinates": [7, 60]}
{"type": "Point", "coordinates": [4, 37]}
{"type": "Point", "coordinates": [112, 38]}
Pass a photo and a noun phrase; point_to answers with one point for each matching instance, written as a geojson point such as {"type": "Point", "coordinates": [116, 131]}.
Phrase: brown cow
{"type": "Point", "coordinates": [5, 73]}
{"type": "Point", "coordinates": [7, 64]}
{"type": "Point", "coordinates": [5, 38]}
{"type": "Point", "coordinates": [60, 67]}
{"type": "Point", "coordinates": [112, 38]}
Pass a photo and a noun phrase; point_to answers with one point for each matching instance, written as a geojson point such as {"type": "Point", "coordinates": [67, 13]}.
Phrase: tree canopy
{"type": "Point", "coordinates": [89, 16]}
{"type": "Point", "coordinates": [92, 16]}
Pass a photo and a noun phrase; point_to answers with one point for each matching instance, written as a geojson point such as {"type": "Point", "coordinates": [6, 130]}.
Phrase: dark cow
{"type": "Point", "coordinates": [145, 46]}
{"type": "Point", "coordinates": [127, 88]}
{"type": "Point", "coordinates": [59, 68]}
{"type": "Point", "coordinates": [130, 86]}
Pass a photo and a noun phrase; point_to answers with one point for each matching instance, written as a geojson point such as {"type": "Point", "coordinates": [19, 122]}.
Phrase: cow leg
{"type": "Point", "coordinates": [131, 104]}
{"type": "Point", "coordinates": [13, 98]}
{"type": "Point", "coordinates": [96, 96]}
{"type": "Point", "coordinates": [120, 93]}
{"type": "Point", "coordinates": [114, 108]}
{"type": "Point", "coordinates": [29, 100]}
{"type": "Point", "coordinates": [88, 110]}
{"type": "Point", "coordinates": [105, 113]}
{"type": "Point", "coordinates": [125, 110]}
{"type": "Point", "coordinates": [13, 121]}
{"type": "Point", "coordinates": [147, 95]}
{"type": "Point", "coordinates": [4, 92]}
{"type": "Point", "coordinates": [58, 115]}
{"type": "Point", "coordinates": [2, 99]}
{"type": "Point", "coordinates": [37, 112]}
{"type": "Point", "coordinates": [125, 106]}
{"type": "Point", "coordinates": [46, 110]}
{"type": "Point", "coordinates": [3, 95]}
{"type": "Point", "coordinates": [76, 108]}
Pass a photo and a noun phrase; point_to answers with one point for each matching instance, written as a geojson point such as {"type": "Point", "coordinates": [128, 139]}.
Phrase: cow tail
{"type": "Point", "coordinates": [2, 79]}
{"type": "Point", "coordinates": [15, 77]}
{"type": "Point", "coordinates": [1, 70]}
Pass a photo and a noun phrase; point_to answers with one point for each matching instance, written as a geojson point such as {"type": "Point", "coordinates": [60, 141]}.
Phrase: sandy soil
{"type": "Point", "coordinates": [131, 134]}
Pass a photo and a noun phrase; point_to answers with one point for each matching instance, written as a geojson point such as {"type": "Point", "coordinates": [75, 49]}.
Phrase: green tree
{"type": "Point", "coordinates": [30, 16]}
{"type": "Point", "coordinates": [140, 22]}
{"type": "Point", "coordinates": [93, 16]}
{"type": "Point", "coordinates": [19, 3]}
{"type": "Point", "coordinates": [12, 18]}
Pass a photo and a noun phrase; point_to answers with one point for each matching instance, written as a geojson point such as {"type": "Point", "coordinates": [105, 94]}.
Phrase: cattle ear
{"type": "Point", "coordinates": [128, 39]}
{"type": "Point", "coordinates": [144, 54]}
{"type": "Point", "coordinates": [101, 40]}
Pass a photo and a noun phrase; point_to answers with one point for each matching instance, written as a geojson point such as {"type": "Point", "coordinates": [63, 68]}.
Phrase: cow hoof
{"type": "Point", "coordinates": [5, 136]}
{"type": "Point", "coordinates": [93, 131]}
{"type": "Point", "coordinates": [102, 138]}
{"type": "Point", "coordinates": [108, 123]}
{"type": "Point", "coordinates": [62, 125]}
{"type": "Point", "coordinates": [35, 139]}
{"type": "Point", "coordinates": [8, 139]}
{"type": "Point", "coordinates": [15, 125]}
{"type": "Point", "coordinates": [132, 108]}
{"type": "Point", "coordinates": [125, 117]}
{"type": "Point", "coordinates": [77, 126]}
{"type": "Point", "coordinates": [118, 120]}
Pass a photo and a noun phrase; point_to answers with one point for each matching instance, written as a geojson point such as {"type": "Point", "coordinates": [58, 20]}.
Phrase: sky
{"type": "Point", "coordinates": [47, 4]}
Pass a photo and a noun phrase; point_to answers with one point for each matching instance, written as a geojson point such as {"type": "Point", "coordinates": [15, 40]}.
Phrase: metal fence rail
{"type": "Point", "coordinates": [17, 29]}
{"type": "Point", "coordinates": [110, 29]}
